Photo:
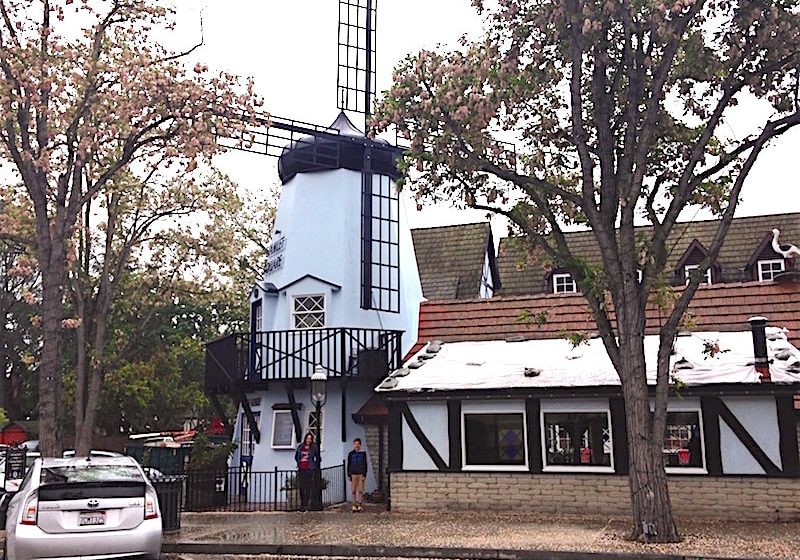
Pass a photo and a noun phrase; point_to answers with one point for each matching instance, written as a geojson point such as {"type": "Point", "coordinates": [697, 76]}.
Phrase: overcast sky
{"type": "Point", "coordinates": [289, 48]}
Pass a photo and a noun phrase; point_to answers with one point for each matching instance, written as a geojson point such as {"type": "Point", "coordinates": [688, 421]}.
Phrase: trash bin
{"type": "Point", "coordinates": [169, 490]}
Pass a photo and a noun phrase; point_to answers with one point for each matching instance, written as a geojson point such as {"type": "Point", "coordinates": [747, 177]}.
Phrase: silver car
{"type": "Point", "coordinates": [92, 508]}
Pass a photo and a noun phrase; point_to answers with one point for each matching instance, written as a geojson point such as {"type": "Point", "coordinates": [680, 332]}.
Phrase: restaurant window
{"type": "Point", "coordinates": [577, 440]}
{"type": "Point", "coordinates": [495, 439]}
{"type": "Point", "coordinates": [683, 441]}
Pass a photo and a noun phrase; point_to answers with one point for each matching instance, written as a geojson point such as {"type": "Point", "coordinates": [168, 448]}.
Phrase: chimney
{"type": "Point", "coordinates": [759, 326]}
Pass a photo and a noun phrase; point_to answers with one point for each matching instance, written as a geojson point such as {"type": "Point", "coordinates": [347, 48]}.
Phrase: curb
{"type": "Point", "coordinates": [248, 549]}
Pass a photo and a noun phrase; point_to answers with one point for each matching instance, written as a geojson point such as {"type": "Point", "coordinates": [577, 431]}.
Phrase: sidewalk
{"type": "Point", "coordinates": [378, 533]}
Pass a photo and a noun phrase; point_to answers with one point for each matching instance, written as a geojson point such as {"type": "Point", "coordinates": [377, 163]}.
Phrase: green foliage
{"type": "Point", "coordinates": [209, 455]}
{"type": "Point", "coordinates": [577, 338]}
{"type": "Point", "coordinates": [537, 318]}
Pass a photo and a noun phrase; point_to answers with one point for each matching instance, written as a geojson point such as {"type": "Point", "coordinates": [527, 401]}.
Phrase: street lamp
{"type": "Point", "coordinates": [319, 395]}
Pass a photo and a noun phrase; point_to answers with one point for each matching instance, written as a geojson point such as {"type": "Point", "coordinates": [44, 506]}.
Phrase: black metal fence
{"type": "Point", "coordinates": [240, 489]}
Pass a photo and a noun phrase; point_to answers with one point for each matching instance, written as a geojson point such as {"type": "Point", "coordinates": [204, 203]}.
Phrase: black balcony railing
{"type": "Point", "coordinates": [247, 359]}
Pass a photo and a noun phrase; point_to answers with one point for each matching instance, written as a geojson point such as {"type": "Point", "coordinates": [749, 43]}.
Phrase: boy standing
{"type": "Point", "coordinates": [357, 472]}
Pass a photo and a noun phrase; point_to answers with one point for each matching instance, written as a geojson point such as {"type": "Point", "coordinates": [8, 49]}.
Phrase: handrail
{"type": "Point", "coordinates": [294, 354]}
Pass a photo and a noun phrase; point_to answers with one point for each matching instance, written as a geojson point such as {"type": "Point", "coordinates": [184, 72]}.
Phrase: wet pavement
{"type": "Point", "coordinates": [485, 531]}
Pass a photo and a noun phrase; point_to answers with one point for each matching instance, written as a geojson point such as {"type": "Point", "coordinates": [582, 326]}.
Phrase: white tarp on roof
{"type": "Point", "coordinates": [501, 364]}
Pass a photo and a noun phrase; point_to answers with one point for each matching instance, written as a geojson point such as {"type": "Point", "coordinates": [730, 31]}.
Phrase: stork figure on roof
{"type": "Point", "coordinates": [786, 250]}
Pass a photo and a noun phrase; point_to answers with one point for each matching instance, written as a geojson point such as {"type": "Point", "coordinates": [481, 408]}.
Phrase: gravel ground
{"type": "Point", "coordinates": [591, 534]}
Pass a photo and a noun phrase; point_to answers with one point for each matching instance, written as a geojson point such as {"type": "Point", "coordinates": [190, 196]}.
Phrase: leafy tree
{"type": "Point", "coordinates": [617, 112]}
{"type": "Point", "coordinates": [142, 226]}
{"type": "Point", "coordinates": [88, 93]}
{"type": "Point", "coordinates": [19, 335]}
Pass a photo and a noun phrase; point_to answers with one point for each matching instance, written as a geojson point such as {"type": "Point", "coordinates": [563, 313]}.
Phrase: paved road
{"type": "Point", "coordinates": [272, 557]}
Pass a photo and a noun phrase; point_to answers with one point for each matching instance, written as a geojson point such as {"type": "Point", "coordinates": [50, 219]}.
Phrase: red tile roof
{"type": "Point", "coordinates": [723, 307]}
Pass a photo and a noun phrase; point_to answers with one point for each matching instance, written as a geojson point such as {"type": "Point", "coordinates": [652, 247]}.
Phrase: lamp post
{"type": "Point", "coordinates": [319, 395]}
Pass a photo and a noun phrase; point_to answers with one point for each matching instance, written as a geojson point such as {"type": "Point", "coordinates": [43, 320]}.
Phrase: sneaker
{"type": "Point", "coordinates": [355, 508]}
{"type": "Point", "coordinates": [360, 509]}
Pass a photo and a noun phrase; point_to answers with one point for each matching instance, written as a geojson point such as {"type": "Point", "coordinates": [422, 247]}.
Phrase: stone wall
{"type": "Point", "coordinates": [730, 497]}
{"type": "Point", "coordinates": [372, 442]}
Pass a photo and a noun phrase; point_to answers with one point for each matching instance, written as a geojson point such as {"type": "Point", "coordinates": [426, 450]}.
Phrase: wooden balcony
{"type": "Point", "coordinates": [248, 361]}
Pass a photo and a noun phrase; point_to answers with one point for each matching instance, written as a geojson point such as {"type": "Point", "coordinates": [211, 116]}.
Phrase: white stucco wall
{"type": "Point", "coordinates": [320, 216]}
{"type": "Point", "coordinates": [432, 420]}
{"type": "Point", "coordinates": [759, 416]}
{"type": "Point", "coordinates": [334, 451]}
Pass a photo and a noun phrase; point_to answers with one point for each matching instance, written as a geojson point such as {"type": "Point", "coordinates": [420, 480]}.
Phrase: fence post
{"type": "Point", "coordinates": [344, 480]}
{"type": "Point", "coordinates": [275, 489]}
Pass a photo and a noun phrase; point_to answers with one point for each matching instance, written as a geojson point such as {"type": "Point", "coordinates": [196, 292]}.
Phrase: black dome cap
{"type": "Point", "coordinates": [337, 151]}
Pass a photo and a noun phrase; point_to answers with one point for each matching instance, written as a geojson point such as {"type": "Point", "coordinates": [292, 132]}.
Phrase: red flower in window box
{"type": "Point", "coordinates": [586, 455]}
{"type": "Point", "coordinates": [684, 456]}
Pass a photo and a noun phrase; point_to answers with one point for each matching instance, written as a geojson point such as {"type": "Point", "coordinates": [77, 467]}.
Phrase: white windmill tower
{"type": "Point", "coordinates": [340, 293]}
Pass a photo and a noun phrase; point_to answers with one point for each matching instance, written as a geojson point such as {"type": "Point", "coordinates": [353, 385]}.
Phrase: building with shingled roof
{"type": "Point", "coordinates": [746, 254]}
{"type": "Point", "coordinates": [456, 262]}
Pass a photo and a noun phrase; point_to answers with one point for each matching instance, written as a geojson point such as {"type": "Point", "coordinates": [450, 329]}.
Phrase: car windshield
{"type": "Point", "coordinates": [79, 474]}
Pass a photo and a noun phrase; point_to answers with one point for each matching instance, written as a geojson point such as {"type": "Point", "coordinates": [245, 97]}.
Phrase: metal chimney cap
{"type": "Point", "coordinates": [757, 318]}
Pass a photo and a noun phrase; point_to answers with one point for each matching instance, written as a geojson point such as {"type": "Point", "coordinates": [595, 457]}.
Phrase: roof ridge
{"type": "Point", "coordinates": [487, 223]}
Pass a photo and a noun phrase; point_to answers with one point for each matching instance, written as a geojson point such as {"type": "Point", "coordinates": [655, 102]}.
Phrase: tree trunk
{"type": "Point", "coordinates": [50, 374]}
{"type": "Point", "coordinates": [650, 502]}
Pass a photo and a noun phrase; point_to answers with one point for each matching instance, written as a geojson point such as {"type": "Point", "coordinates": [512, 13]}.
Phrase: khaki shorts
{"type": "Point", "coordinates": [357, 484]}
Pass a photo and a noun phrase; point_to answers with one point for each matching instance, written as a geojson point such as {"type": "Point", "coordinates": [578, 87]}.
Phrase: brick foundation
{"type": "Point", "coordinates": [730, 497]}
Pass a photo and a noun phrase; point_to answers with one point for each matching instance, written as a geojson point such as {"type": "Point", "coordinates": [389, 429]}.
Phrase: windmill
{"type": "Point", "coordinates": [303, 149]}
{"type": "Point", "coordinates": [329, 147]}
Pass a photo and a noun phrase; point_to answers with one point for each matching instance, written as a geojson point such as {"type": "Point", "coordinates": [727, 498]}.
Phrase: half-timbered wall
{"type": "Point", "coordinates": [748, 464]}
{"type": "Point", "coordinates": [747, 435]}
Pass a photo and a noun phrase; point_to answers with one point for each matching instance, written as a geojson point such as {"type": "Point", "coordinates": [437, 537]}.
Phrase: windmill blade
{"type": "Point", "coordinates": [267, 134]}
{"type": "Point", "coordinates": [355, 82]}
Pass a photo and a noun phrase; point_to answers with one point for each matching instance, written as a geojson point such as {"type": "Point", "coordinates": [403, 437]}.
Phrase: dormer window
{"type": "Point", "coordinates": [692, 257]}
{"type": "Point", "coordinates": [768, 269]}
{"type": "Point", "coordinates": [563, 283]}
{"type": "Point", "coordinates": [308, 312]}
{"type": "Point", "coordinates": [687, 273]}
{"type": "Point", "coordinates": [764, 263]}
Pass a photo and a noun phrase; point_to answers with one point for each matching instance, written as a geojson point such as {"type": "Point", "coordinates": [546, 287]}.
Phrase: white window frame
{"type": "Point", "coordinates": [770, 262]}
{"type": "Point", "coordinates": [560, 275]}
{"type": "Point", "coordinates": [580, 407]}
{"type": "Point", "coordinates": [275, 423]}
{"type": "Point", "coordinates": [689, 407]}
{"type": "Point", "coordinates": [690, 267]}
{"type": "Point", "coordinates": [246, 430]}
{"type": "Point", "coordinates": [293, 314]}
{"type": "Point", "coordinates": [512, 407]}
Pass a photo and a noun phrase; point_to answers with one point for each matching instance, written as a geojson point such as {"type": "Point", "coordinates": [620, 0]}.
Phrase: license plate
{"type": "Point", "coordinates": [92, 518]}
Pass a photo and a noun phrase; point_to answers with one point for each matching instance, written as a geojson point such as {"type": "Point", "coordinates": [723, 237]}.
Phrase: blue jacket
{"type": "Point", "coordinates": [357, 462]}
{"type": "Point", "coordinates": [313, 456]}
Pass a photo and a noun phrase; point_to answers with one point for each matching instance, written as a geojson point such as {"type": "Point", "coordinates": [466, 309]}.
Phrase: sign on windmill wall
{"type": "Point", "coordinates": [275, 254]}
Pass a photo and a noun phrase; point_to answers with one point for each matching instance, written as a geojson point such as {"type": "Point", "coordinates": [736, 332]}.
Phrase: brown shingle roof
{"type": "Point", "coordinates": [522, 275]}
{"type": "Point", "coordinates": [722, 307]}
{"type": "Point", "coordinates": [450, 259]}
